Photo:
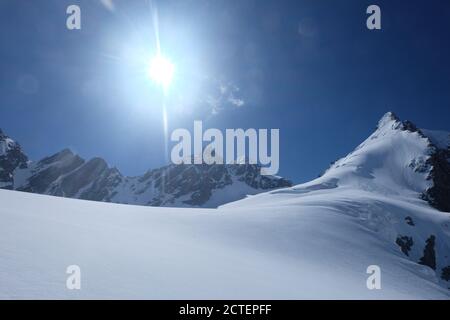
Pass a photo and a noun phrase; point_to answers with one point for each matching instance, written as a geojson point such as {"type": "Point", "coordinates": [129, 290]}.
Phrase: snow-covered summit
{"type": "Point", "coordinates": [6, 143]}
{"type": "Point", "coordinates": [398, 159]}
{"type": "Point", "coordinates": [389, 185]}
{"type": "Point", "coordinates": [11, 157]}
{"type": "Point", "coordinates": [391, 161]}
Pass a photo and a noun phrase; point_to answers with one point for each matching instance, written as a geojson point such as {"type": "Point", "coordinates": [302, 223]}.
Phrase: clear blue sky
{"type": "Point", "coordinates": [310, 68]}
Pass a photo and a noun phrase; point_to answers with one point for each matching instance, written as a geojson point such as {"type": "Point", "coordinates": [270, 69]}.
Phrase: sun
{"type": "Point", "coordinates": [161, 71]}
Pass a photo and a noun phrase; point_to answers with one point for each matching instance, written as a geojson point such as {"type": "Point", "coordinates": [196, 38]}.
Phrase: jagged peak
{"type": "Point", "coordinates": [391, 121]}
{"type": "Point", "coordinates": [66, 152]}
{"type": "Point", "coordinates": [3, 135]}
{"type": "Point", "coordinates": [388, 118]}
{"type": "Point", "coordinates": [97, 162]}
{"type": "Point", "coordinates": [63, 154]}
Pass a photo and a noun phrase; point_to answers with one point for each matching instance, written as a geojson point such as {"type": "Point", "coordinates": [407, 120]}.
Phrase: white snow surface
{"type": "Point", "coordinates": [314, 246]}
{"type": "Point", "coordinates": [313, 240]}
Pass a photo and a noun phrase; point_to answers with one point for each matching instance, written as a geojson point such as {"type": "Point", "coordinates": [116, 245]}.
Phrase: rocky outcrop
{"type": "Point", "coordinates": [11, 157]}
{"type": "Point", "coordinates": [439, 194]}
{"type": "Point", "coordinates": [429, 255]}
{"type": "Point", "coordinates": [405, 243]}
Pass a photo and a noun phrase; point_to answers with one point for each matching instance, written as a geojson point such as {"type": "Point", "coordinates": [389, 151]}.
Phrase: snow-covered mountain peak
{"type": "Point", "coordinates": [392, 161]}
{"type": "Point", "coordinates": [387, 186]}
{"type": "Point", "coordinates": [6, 143]}
{"type": "Point", "coordinates": [11, 157]}
{"type": "Point", "coordinates": [389, 119]}
{"type": "Point", "coordinates": [396, 160]}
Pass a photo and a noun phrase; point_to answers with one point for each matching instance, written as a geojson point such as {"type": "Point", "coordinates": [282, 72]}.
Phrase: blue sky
{"type": "Point", "coordinates": [310, 68]}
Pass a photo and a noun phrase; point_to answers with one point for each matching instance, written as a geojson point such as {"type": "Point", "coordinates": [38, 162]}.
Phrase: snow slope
{"type": "Point", "coordinates": [306, 248]}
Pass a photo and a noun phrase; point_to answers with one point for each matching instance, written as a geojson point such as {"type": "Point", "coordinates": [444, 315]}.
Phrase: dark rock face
{"type": "Point", "coordinates": [67, 175]}
{"type": "Point", "coordinates": [49, 170]}
{"type": "Point", "coordinates": [198, 182]}
{"type": "Point", "coordinates": [405, 243]}
{"type": "Point", "coordinates": [446, 273]}
{"type": "Point", "coordinates": [101, 189]}
{"type": "Point", "coordinates": [88, 172]}
{"type": "Point", "coordinates": [429, 255]}
{"type": "Point", "coordinates": [409, 221]}
{"type": "Point", "coordinates": [11, 157]}
{"type": "Point", "coordinates": [439, 194]}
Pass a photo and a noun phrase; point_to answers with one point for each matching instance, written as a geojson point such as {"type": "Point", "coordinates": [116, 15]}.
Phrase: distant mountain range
{"type": "Point", "coordinates": [66, 174]}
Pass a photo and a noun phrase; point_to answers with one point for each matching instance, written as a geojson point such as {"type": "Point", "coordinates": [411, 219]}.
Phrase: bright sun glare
{"type": "Point", "coordinates": [161, 71]}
